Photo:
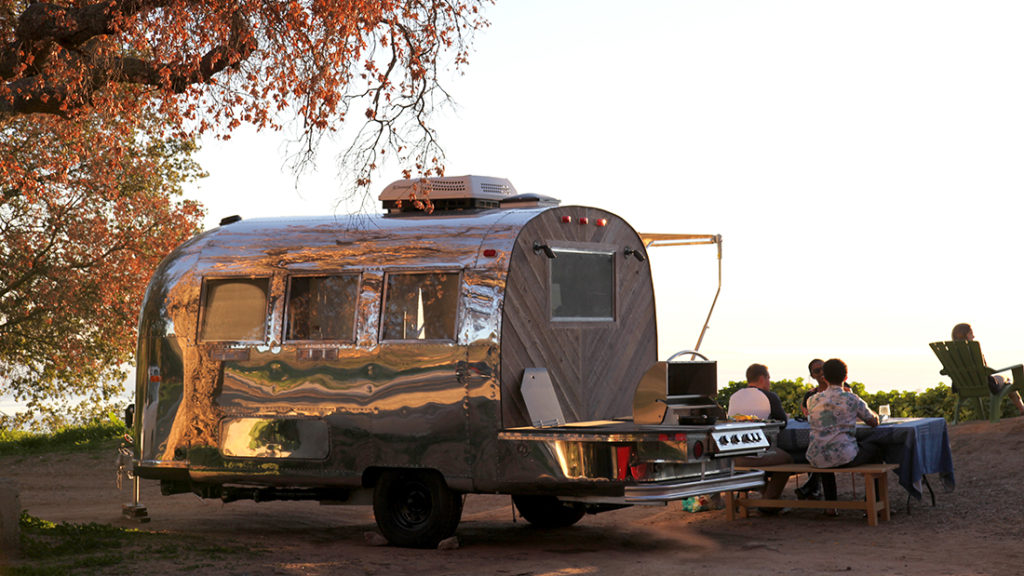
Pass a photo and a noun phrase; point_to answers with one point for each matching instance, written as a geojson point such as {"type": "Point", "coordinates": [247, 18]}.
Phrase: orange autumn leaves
{"type": "Point", "coordinates": [100, 104]}
{"type": "Point", "coordinates": [213, 64]}
{"type": "Point", "coordinates": [87, 210]}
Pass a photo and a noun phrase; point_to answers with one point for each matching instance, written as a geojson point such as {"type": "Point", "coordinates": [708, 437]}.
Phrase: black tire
{"type": "Point", "coordinates": [548, 511]}
{"type": "Point", "coordinates": [415, 508]}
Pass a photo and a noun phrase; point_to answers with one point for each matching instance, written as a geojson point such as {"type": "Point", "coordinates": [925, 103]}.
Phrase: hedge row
{"type": "Point", "coordinates": [935, 402]}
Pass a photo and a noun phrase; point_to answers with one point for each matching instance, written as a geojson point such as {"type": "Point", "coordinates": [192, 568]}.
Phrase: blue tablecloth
{"type": "Point", "coordinates": [919, 445]}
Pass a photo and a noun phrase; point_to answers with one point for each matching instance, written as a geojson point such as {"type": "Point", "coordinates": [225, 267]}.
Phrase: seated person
{"type": "Point", "coordinates": [815, 369]}
{"type": "Point", "coordinates": [996, 383]}
{"type": "Point", "coordinates": [749, 402]}
{"type": "Point", "coordinates": [758, 379]}
{"type": "Point", "coordinates": [812, 488]}
{"type": "Point", "coordinates": [833, 415]}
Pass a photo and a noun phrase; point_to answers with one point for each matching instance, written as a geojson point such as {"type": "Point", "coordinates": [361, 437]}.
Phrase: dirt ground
{"type": "Point", "coordinates": [978, 529]}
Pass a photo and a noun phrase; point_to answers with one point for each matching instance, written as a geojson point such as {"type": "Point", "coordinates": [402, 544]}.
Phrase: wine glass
{"type": "Point", "coordinates": [884, 412]}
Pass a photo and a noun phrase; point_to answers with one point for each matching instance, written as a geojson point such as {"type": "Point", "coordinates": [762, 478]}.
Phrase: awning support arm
{"type": "Point", "coordinates": [654, 240]}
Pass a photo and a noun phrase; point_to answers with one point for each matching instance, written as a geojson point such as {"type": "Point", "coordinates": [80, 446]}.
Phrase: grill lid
{"type": "Point", "coordinates": [680, 392]}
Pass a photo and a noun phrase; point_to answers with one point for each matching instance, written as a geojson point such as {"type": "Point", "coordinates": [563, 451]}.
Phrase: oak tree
{"type": "Point", "coordinates": [100, 103]}
{"type": "Point", "coordinates": [83, 226]}
{"type": "Point", "coordinates": [213, 64]}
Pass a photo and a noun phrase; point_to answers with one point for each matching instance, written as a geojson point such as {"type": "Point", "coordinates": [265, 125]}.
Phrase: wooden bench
{"type": "Point", "coordinates": [740, 502]}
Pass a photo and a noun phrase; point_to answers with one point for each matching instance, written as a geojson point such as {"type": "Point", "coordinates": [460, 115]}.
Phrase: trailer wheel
{"type": "Point", "coordinates": [415, 508]}
{"type": "Point", "coordinates": [548, 511]}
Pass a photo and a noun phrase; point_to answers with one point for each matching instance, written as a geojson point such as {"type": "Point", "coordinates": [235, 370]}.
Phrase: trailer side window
{"type": "Point", "coordinates": [421, 306]}
{"type": "Point", "coordinates": [322, 308]}
{"type": "Point", "coordinates": [582, 286]}
{"type": "Point", "coordinates": [235, 310]}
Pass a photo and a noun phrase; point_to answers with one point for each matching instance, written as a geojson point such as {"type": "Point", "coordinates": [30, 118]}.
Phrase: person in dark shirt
{"type": "Point", "coordinates": [812, 488]}
{"type": "Point", "coordinates": [818, 375]}
{"type": "Point", "coordinates": [758, 377]}
{"type": "Point", "coordinates": [815, 369]}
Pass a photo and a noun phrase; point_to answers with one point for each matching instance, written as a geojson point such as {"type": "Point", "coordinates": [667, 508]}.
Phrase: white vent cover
{"type": "Point", "coordinates": [483, 187]}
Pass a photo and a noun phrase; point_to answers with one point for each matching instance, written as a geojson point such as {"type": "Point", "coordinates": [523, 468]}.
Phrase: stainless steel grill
{"type": "Point", "coordinates": [738, 438]}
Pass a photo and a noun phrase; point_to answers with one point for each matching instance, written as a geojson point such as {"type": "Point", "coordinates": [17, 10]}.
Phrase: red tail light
{"type": "Point", "coordinates": [623, 454]}
{"type": "Point", "coordinates": [698, 449]}
{"type": "Point", "coordinates": [639, 471]}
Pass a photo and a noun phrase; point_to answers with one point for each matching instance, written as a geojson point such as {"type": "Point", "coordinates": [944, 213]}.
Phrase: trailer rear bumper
{"type": "Point", "coordinates": [656, 492]}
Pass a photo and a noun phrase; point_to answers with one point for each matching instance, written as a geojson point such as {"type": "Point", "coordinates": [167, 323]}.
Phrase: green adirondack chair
{"type": "Point", "coordinates": [963, 363]}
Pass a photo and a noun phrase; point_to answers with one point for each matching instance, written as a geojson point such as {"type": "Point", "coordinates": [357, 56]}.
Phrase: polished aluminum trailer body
{"type": "Point", "coordinates": [303, 358]}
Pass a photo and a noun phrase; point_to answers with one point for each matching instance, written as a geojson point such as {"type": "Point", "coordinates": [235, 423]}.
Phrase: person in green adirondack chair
{"type": "Point", "coordinates": [996, 382]}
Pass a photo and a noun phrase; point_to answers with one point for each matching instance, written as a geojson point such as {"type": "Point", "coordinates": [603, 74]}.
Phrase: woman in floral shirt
{"type": "Point", "coordinates": [833, 416]}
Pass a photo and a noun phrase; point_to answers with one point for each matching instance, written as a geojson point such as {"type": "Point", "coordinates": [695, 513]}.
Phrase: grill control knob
{"type": "Point", "coordinates": [723, 441]}
{"type": "Point", "coordinates": [735, 439]}
{"type": "Point", "coordinates": [745, 438]}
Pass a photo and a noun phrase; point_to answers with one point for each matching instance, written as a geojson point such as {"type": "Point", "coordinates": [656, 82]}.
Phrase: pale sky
{"type": "Point", "coordinates": [861, 159]}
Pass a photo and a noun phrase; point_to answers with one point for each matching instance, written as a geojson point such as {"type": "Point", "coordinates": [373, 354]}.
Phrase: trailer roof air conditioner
{"type": "Point", "coordinates": [449, 193]}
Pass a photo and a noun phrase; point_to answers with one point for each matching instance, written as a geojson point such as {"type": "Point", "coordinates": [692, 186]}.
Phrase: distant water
{"type": "Point", "coordinates": [9, 406]}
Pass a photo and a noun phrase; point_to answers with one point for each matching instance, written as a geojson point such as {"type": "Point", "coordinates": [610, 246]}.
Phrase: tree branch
{"type": "Point", "coordinates": [178, 78]}
{"type": "Point", "coordinates": [67, 34]}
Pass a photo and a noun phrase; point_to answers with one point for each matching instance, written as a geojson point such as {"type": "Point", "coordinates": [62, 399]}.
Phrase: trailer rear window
{"type": "Point", "coordinates": [421, 306]}
{"type": "Point", "coordinates": [582, 286]}
{"type": "Point", "coordinates": [235, 310]}
{"type": "Point", "coordinates": [322, 308]}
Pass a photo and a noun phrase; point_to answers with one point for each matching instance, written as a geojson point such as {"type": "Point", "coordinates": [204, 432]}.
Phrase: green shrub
{"type": "Point", "coordinates": [100, 432]}
{"type": "Point", "coordinates": [937, 402]}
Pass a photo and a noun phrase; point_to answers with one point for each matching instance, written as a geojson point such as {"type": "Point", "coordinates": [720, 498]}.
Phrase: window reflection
{"type": "Point", "coordinates": [322, 308]}
{"type": "Point", "coordinates": [582, 286]}
{"type": "Point", "coordinates": [235, 310]}
{"type": "Point", "coordinates": [421, 306]}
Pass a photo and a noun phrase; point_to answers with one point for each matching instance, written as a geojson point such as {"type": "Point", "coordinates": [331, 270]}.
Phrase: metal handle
{"type": "Point", "coordinates": [691, 352]}
{"type": "Point", "coordinates": [627, 252]}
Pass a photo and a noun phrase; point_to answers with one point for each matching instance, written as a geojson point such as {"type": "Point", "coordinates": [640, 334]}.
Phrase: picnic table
{"type": "Point", "coordinates": [919, 445]}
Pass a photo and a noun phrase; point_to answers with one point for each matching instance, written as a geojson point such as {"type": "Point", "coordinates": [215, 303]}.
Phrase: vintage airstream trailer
{"type": "Point", "coordinates": [499, 344]}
